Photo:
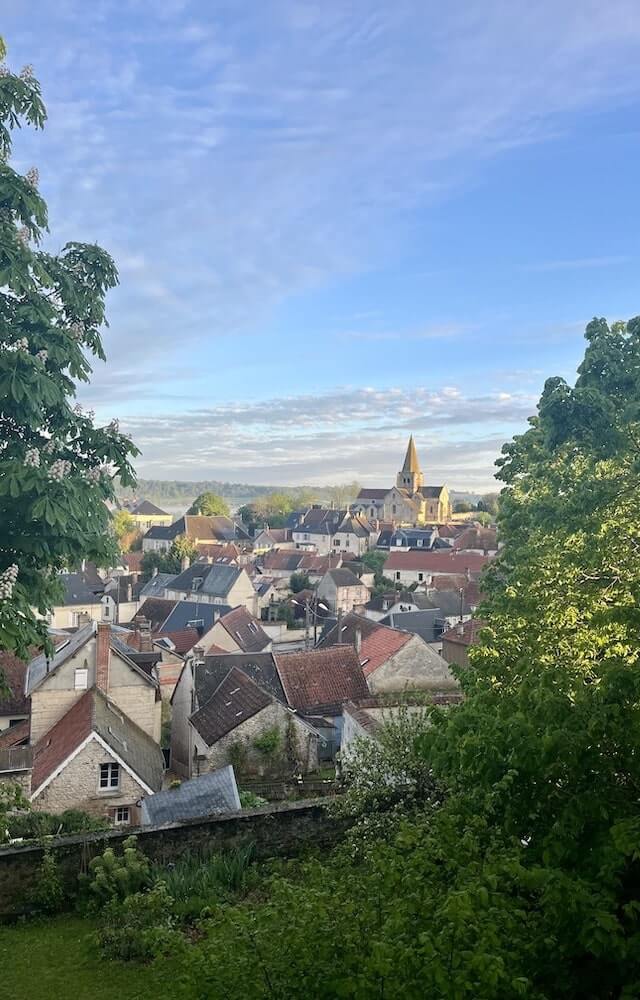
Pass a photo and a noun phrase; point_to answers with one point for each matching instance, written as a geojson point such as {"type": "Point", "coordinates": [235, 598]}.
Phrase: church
{"type": "Point", "coordinates": [409, 501]}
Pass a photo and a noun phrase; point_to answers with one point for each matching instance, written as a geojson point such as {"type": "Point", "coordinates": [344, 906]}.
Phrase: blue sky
{"type": "Point", "coordinates": [339, 222]}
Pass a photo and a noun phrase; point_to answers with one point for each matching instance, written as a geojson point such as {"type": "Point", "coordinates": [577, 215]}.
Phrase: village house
{"type": "Point", "coordinates": [146, 515]}
{"type": "Point", "coordinates": [342, 590]}
{"type": "Point", "coordinates": [238, 632]}
{"type": "Point", "coordinates": [213, 583]}
{"type": "Point", "coordinates": [396, 602]}
{"type": "Point", "coordinates": [199, 529]}
{"type": "Point", "coordinates": [407, 568]}
{"type": "Point", "coordinates": [364, 720]}
{"type": "Point", "coordinates": [272, 538]}
{"type": "Point", "coordinates": [457, 641]}
{"type": "Point", "coordinates": [475, 538]}
{"type": "Point", "coordinates": [403, 539]}
{"type": "Point", "coordinates": [391, 660]}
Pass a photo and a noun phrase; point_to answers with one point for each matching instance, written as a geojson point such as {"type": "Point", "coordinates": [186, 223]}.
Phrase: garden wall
{"type": "Point", "coordinates": [275, 830]}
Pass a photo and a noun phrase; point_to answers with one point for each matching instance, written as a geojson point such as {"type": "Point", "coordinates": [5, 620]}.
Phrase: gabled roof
{"type": "Point", "coordinates": [367, 493]}
{"type": "Point", "coordinates": [384, 602]}
{"type": "Point", "coordinates": [431, 492]}
{"type": "Point", "coordinates": [282, 561]}
{"type": "Point", "coordinates": [465, 634]}
{"type": "Point", "coordinates": [215, 528]}
{"type": "Point", "coordinates": [76, 590]}
{"type": "Point", "coordinates": [94, 713]}
{"type": "Point", "coordinates": [422, 623]}
{"type": "Point", "coordinates": [236, 699]}
{"type": "Point", "coordinates": [321, 680]}
{"type": "Point", "coordinates": [378, 642]}
{"type": "Point", "coordinates": [145, 507]}
{"type": "Point", "coordinates": [217, 579]}
{"type": "Point", "coordinates": [448, 602]}
{"type": "Point", "coordinates": [477, 538]}
{"type": "Point", "coordinates": [219, 551]}
{"type": "Point", "coordinates": [245, 630]}
{"type": "Point", "coordinates": [352, 525]}
{"type": "Point", "coordinates": [206, 795]}
{"type": "Point", "coordinates": [260, 667]}
{"type": "Point", "coordinates": [344, 578]}
{"type": "Point", "coordinates": [436, 562]}
{"type": "Point", "coordinates": [186, 614]}
{"type": "Point", "coordinates": [156, 586]}
{"type": "Point", "coordinates": [133, 561]}
{"type": "Point", "coordinates": [164, 532]}
{"type": "Point", "coordinates": [156, 610]}
{"type": "Point", "coordinates": [183, 640]}
{"type": "Point", "coordinates": [15, 736]}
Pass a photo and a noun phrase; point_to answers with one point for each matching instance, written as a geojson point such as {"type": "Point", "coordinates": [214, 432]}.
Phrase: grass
{"type": "Point", "coordinates": [56, 958]}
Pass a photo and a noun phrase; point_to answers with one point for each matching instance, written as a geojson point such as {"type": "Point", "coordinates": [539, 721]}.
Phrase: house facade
{"type": "Point", "coordinates": [213, 583]}
{"type": "Point", "coordinates": [406, 568]}
{"type": "Point", "coordinates": [342, 590]}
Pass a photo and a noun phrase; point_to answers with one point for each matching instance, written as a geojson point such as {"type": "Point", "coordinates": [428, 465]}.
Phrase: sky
{"type": "Point", "coordinates": [338, 222]}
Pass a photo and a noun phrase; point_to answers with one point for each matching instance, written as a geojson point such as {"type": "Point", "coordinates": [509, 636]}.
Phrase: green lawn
{"type": "Point", "coordinates": [56, 960]}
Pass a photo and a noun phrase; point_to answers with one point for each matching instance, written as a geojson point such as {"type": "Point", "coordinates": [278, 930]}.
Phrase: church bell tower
{"type": "Point", "coordinates": [410, 476]}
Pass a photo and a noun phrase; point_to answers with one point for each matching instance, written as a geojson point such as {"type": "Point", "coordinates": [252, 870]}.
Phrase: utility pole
{"type": "Point", "coordinates": [307, 625]}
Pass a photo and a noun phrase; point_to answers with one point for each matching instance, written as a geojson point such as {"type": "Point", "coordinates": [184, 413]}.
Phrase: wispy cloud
{"type": "Point", "coordinates": [578, 264]}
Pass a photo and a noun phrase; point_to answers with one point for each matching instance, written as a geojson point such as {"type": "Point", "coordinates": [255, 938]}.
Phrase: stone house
{"type": "Point", "coordinates": [342, 590]}
{"type": "Point", "coordinates": [214, 583]}
{"type": "Point", "coordinates": [90, 658]}
{"type": "Point", "coordinates": [396, 602]}
{"type": "Point", "coordinates": [95, 759]}
{"type": "Point", "coordinates": [364, 719]}
{"type": "Point", "coordinates": [198, 528]}
{"type": "Point", "coordinates": [391, 659]}
{"type": "Point", "coordinates": [457, 640]}
{"type": "Point", "coordinates": [145, 515]}
{"type": "Point", "coordinates": [406, 568]}
{"type": "Point", "coordinates": [314, 529]}
{"type": "Point", "coordinates": [272, 538]}
{"type": "Point", "coordinates": [478, 539]}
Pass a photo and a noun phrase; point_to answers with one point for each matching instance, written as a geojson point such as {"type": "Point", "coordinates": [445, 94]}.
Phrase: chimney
{"type": "Point", "coordinates": [358, 640]}
{"type": "Point", "coordinates": [154, 571]}
{"type": "Point", "coordinates": [468, 573]}
{"type": "Point", "coordinates": [143, 628]}
{"type": "Point", "coordinates": [198, 654]}
{"type": "Point", "coordinates": [460, 628]}
{"type": "Point", "coordinates": [103, 656]}
{"type": "Point", "coordinates": [184, 564]}
{"type": "Point", "coordinates": [129, 593]}
{"type": "Point", "coordinates": [83, 618]}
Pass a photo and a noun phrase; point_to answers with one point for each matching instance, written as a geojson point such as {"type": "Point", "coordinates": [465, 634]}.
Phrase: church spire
{"type": "Point", "coordinates": [411, 463]}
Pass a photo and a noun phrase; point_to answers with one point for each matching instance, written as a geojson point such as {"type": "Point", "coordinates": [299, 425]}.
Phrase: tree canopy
{"type": "Point", "coordinates": [210, 504]}
{"type": "Point", "coordinates": [56, 465]}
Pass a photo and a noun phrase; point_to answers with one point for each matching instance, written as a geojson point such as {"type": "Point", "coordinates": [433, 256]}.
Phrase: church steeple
{"type": "Point", "coordinates": [410, 477]}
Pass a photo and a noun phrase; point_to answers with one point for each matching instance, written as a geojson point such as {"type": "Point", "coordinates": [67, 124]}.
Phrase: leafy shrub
{"type": "Point", "coordinates": [33, 825]}
{"type": "Point", "coordinates": [115, 876]}
{"type": "Point", "coordinates": [48, 894]}
{"type": "Point", "coordinates": [138, 928]}
{"type": "Point", "coordinates": [269, 742]}
{"type": "Point", "coordinates": [249, 800]}
{"type": "Point", "coordinates": [207, 879]}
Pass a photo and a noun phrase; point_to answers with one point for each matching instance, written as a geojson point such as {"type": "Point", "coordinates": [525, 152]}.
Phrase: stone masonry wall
{"type": "Point", "coordinates": [275, 831]}
{"type": "Point", "coordinates": [245, 734]}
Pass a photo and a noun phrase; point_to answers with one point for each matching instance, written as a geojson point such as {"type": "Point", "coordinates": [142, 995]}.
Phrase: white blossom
{"type": "Point", "coordinates": [32, 176]}
{"type": "Point", "coordinates": [24, 236]}
{"type": "Point", "coordinates": [93, 474]}
{"type": "Point", "coordinates": [7, 581]}
{"type": "Point", "coordinates": [4, 71]}
{"type": "Point", "coordinates": [59, 470]}
{"type": "Point", "coordinates": [50, 446]}
{"type": "Point", "coordinates": [32, 458]}
{"type": "Point", "coordinates": [42, 356]}
{"type": "Point", "coordinates": [22, 344]}
{"type": "Point", "coordinates": [77, 331]}
{"type": "Point", "coordinates": [26, 72]}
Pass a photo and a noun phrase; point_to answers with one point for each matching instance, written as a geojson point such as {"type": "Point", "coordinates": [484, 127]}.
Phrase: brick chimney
{"type": "Point", "coordinates": [185, 563]}
{"type": "Point", "coordinates": [143, 629]}
{"type": "Point", "coordinates": [357, 641]}
{"type": "Point", "coordinates": [103, 656]}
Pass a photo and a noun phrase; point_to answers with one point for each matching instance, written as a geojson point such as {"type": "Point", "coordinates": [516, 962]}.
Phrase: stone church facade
{"type": "Point", "coordinates": [409, 501]}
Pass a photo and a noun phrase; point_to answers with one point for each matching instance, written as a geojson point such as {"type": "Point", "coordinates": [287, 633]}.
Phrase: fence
{"type": "Point", "coordinates": [278, 791]}
{"type": "Point", "coordinates": [16, 759]}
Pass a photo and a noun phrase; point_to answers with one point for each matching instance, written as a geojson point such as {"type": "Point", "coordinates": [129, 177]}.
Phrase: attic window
{"type": "Point", "coordinates": [196, 623]}
{"type": "Point", "coordinates": [235, 691]}
{"type": "Point", "coordinates": [252, 627]}
{"type": "Point", "coordinates": [197, 582]}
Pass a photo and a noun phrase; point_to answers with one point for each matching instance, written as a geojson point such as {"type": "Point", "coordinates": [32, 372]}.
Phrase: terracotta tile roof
{"type": "Point", "coordinates": [245, 630]}
{"type": "Point", "coordinates": [466, 635]}
{"type": "Point", "coordinates": [235, 700]}
{"type": "Point", "coordinates": [13, 672]}
{"type": "Point", "coordinates": [446, 581]}
{"type": "Point", "coordinates": [133, 561]}
{"type": "Point", "coordinates": [94, 712]}
{"type": "Point", "coordinates": [450, 530]}
{"type": "Point", "coordinates": [321, 680]}
{"type": "Point", "coordinates": [476, 537]}
{"type": "Point", "coordinates": [228, 553]}
{"type": "Point", "coordinates": [15, 735]}
{"type": "Point", "coordinates": [436, 562]}
{"type": "Point", "coordinates": [379, 642]}
{"type": "Point", "coordinates": [183, 640]}
{"type": "Point", "coordinates": [282, 561]}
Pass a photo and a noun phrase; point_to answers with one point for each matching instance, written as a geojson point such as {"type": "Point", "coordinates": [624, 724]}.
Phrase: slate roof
{"type": "Point", "coordinates": [448, 602]}
{"type": "Point", "coordinates": [76, 590]}
{"type": "Point", "coordinates": [217, 578]}
{"type": "Point", "coordinates": [321, 680]}
{"type": "Point", "coordinates": [391, 597]}
{"type": "Point", "coordinates": [436, 562]}
{"type": "Point", "coordinates": [236, 699]}
{"type": "Point", "coordinates": [344, 578]}
{"type": "Point", "coordinates": [422, 623]}
{"type": "Point", "coordinates": [431, 492]}
{"type": "Point", "coordinates": [260, 667]}
{"type": "Point", "coordinates": [245, 630]}
{"type": "Point", "coordinates": [40, 666]}
{"type": "Point", "coordinates": [165, 532]}
{"type": "Point", "coordinates": [379, 642]}
{"type": "Point", "coordinates": [145, 507]}
{"type": "Point", "coordinates": [13, 672]}
{"type": "Point", "coordinates": [372, 494]}
{"type": "Point", "coordinates": [155, 587]}
{"type": "Point", "coordinates": [206, 795]}
{"type": "Point", "coordinates": [352, 525]}
{"type": "Point", "coordinates": [156, 610]}
{"type": "Point", "coordinates": [94, 712]}
{"type": "Point", "coordinates": [185, 612]}
{"type": "Point", "coordinates": [466, 635]}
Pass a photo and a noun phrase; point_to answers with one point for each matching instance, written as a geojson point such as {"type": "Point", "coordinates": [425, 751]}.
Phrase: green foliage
{"type": "Point", "coordinates": [123, 524]}
{"type": "Point", "coordinates": [462, 507]}
{"type": "Point", "coordinates": [374, 561]}
{"type": "Point", "coordinates": [182, 547]}
{"type": "Point", "coordinates": [116, 876]}
{"type": "Point", "coordinates": [48, 894]}
{"type": "Point", "coordinates": [299, 581]}
{"type": "Point", "coordinates": [32, 825]}
{"type": "Point", "coordinates": [56, 465]}
{"type": "Point", "coordinates": [249, 800]}
{"type": "Point", "coordinates": [490, 503]}
{"type": "Point", "coordinates": [207, 878]}
{"type": "Point", "coordinates": [163, 562]}
{"type": "Point", "coordinates": [138, 928]}
{"type": "Point", "coordinates": [12, 801]}
{"type": "Point", "coordinates": [237, 754]}
{"type": "Point", "coordinates": [209, 504]}
{"type": "Point", "coordinates": [269, 742]}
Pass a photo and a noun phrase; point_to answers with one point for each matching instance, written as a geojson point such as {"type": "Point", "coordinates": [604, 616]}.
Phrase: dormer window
{"type": "Point", "coordinates": [197, 582]}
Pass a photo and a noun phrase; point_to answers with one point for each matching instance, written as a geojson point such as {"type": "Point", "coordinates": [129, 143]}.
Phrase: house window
{"type": "Point", "coordinates": [121, 816]}
{"type": "Point", "coordinates": [397, 574]}
{"type": "Point", "coordinates": [393, 509]}
{"type": "Point", "coordinates": [14, 722]}
{"type": "Point", "coordinates": [419, 543]}
{"type": "Point", "coordinates": [106, 610]}
{"type": "Point", "coordinates": [81, 678]}
{"type": "Point", "coordinates": [109, 776]}
{"type": "Point", "coordinates": [373, 512]}
{"type": "Point", "coordinates": [420, 577]}
{"type": "Point", "coordinates": [336, 542]}
{"type": "Point", "coordinates": [398, 541]}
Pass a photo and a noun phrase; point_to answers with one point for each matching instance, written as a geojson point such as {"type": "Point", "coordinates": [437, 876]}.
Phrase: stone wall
{"type": "Point", "coordinates": [284, 830]}
{"type": "Point", "coordinates": [270, 717]}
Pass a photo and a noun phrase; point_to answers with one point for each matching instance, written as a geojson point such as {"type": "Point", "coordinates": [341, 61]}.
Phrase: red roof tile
{"type": "Point", "coordinates": [477, 538]}
{"type": "Point", "coordinates": [379, 642]}
{"type": "Point", "coordinates": [245, 630]}
{"type": "Point", "coordinates": [62, 739]}
{"type": "Point", "coordinates": [15, 735]}
{"type": "Point", "coordinates": [321, 680]}
{"type": "Point", "coordinates": [183, 640]}
{"type": "Point", "coordinates": [436, 562]}
{"type": "Point", "coordinates": [465, 635]}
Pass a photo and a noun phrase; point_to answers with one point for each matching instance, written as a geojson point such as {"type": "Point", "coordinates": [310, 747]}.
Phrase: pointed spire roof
{"type": "Point", "coordinates": [411, 463]}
